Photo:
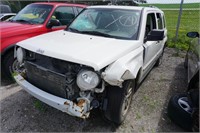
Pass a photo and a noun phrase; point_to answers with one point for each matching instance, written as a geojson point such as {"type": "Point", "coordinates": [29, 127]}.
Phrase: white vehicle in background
{"type": "Point", "coordinates": [97, 62]}
{"type": "Point", "coordinates": [6, 16]}
{"type": "Point", "coordinates": [5, 12]}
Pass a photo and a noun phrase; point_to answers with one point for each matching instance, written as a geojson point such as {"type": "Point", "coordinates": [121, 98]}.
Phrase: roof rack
{"type": "Point", "coordinates": [152, 6]}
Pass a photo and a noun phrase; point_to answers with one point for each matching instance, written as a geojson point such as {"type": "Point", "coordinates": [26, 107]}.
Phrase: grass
{"type": "Point", "coordinates": [138, 116]}
{"type": "Point", "coordinates": [39, 105]}
{"type": "Point", "coordinates": [189, 22]}
{"type": "Point", "coordinates": [165, 6]}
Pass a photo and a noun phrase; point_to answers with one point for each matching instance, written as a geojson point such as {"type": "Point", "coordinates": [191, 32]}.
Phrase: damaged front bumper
{"type": "Point", "coordinates": [80, 109]}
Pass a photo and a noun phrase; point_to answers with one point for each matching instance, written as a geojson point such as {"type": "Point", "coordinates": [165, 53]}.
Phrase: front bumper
{"type": "Point", "coordinates": [80, 109]}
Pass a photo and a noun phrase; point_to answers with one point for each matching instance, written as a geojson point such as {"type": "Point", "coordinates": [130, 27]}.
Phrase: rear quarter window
{"type": "Point", "coordinates": [159, 21]}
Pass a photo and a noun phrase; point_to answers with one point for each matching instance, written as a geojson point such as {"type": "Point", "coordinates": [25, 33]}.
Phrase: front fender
{"type": "Point", "coordinates": [124, 68]}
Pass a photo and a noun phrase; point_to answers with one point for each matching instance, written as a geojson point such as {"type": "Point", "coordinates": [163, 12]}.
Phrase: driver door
{"type": "Point", "coordinates": [150, 47]}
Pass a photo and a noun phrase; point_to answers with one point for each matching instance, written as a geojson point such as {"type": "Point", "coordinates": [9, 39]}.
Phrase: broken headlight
{"type": "Point", "coordinates": [87, 80]}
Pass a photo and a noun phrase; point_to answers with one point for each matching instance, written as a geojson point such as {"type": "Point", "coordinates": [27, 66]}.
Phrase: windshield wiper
{"type": "Point", "coordinates": [23, 21]}
{"type": "Point", "coordinates": [74, 30]}
{"type": "Point", "coordinates": [97, 33]}
{"type": "Point", "coordinates": [91, 32]}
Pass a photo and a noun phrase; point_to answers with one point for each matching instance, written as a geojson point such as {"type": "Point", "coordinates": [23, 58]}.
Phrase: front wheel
{"type": "Point", "coordinates": [10, 65]}
{"type": "Point", "coordinates": [119, 101]}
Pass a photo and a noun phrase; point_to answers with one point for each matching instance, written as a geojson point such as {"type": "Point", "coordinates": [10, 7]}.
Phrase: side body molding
{"type": "Point", "coordinates": [124, 68]}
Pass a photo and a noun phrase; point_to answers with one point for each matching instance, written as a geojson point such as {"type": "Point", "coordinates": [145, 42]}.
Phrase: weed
{"type": "Point", "coordinates": [146, 98]}
{"type": "Point", "coordinates": [151, 103]}
{"type": "Point", "coordinates": [138, 116]}
{"type": "Point", "coordinates": [39, 105]}
{"type": "Point", "coordinates": [14, 74]}
{"type": "Point", "coordinates": [142, 129]}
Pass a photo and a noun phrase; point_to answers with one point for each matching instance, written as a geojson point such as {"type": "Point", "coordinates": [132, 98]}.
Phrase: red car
{"type": "Point", "coordinates": [33, 20]}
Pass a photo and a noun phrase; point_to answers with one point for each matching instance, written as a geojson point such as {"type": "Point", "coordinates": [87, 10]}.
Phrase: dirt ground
{"type": "Point", "coordinates": [20, 112]}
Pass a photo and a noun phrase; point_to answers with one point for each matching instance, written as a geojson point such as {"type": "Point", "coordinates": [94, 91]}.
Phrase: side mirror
{"type": "Point", "coordinates": [53, 22]}
{"type": "Point", "coordinates": [155, 35]}
{"type": "Point", "coordinates": [193, 34]}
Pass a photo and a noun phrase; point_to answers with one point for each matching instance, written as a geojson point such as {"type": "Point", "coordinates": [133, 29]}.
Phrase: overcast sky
{"type": "Point", "coordinates": [172, 1]}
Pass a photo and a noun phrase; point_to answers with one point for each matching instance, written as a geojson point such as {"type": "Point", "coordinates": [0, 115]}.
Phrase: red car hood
{"type": "Point", "coordinates": [8, 29]}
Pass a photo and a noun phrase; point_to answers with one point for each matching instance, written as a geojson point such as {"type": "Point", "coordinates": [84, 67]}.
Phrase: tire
{"type": "Point", "coordinates": [9, 65]}
{"type": "Point", "coordinates": [159, 61]}
{"type": "Point", "coordinates": [119, 100]}
{"type": "Point", "coordinates": [179, 111]}
{"type": "Point", "coordinates": [195, 119]}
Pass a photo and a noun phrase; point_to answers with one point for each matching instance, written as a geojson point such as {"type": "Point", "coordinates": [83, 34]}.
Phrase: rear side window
{"type": "Point", "coordinates": [159, 21]}
{"type": "Point", "coordinates": [163, 21]}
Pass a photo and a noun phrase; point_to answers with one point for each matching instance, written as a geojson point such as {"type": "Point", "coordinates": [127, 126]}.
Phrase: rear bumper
{"type": "Point", "coordinates": [80, 109]}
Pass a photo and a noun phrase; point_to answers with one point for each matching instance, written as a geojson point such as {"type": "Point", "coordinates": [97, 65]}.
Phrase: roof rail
{"type": "Point", "coordinates": [152, 6]}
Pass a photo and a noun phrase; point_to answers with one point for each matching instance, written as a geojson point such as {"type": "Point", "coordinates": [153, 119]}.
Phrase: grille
{"type": "Point", "coordinates": [49, 81]}
{"type": "Point", "coordinates": [52, 75]}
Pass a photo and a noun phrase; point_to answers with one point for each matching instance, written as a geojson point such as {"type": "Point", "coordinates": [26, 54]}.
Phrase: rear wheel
{"type": "Point", "coordinates": [119, 101]}
{"type": "Point", "coordinates": [159, 61]}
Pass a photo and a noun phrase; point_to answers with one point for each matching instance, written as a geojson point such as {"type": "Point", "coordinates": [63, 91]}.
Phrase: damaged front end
{"type": "Point", "coordinates": [66, 86]}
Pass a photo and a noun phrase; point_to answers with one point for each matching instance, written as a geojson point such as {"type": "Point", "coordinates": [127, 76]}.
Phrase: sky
{"type": "Point", "coordinates": [172, 1]}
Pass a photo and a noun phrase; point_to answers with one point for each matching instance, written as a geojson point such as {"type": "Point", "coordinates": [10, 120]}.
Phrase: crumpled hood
{"type": "Point", "coordinates": [8, 29]}
{"type": "Point", "coordinates": [93, 51]}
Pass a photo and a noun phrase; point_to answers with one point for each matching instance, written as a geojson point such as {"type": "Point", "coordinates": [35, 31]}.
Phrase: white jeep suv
{"type": "Point", "coordinates": [97, 62]}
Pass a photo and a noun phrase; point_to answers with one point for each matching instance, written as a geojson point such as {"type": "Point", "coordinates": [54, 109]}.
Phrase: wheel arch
{"type": "Point", "coordinates": [8, 49]}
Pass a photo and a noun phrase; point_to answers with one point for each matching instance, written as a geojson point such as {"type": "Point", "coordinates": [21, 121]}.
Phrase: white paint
{"type": "Point", "coordinates": [93, 51]}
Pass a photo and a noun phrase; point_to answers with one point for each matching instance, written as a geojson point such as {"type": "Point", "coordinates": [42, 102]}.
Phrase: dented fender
{"type": "Point", "coordinates": [124, 68]}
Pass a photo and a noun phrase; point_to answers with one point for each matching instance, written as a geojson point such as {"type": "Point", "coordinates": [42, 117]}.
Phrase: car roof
{"type": "Point", "coordinates": [7, 14]}
{"type": "Point", "coordinates": [125, 7]}
{"type": "Point", "coordinates": [60, 4]}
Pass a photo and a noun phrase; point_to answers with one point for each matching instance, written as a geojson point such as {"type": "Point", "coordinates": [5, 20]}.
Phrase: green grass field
{"type": "Point", "coordinates": [165, 6]}
{"type": "Point", "coordinates": [190, 21]}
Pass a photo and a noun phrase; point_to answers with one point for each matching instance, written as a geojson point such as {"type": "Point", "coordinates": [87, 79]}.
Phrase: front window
{"type": "Point", "coordinates": [64, 15]}
{"type": "Point", "coordinates": [114, 23]}
{"type": "Point", "coordinates": [33, 14]}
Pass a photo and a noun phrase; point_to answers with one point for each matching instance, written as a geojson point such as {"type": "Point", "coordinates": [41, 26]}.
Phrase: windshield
{"type": "Point", "coordinates": [115, 23]}
{"type": "Point", "coordinates": [33, 14]}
